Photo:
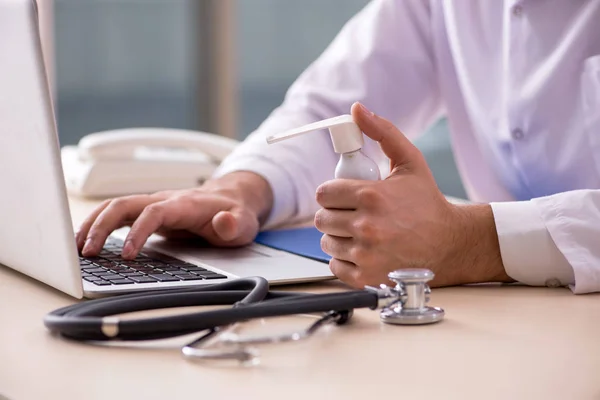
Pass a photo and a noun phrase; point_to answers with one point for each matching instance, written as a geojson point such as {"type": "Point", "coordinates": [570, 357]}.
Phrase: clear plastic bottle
{"type": "Point", "coordinates": [356, 165]}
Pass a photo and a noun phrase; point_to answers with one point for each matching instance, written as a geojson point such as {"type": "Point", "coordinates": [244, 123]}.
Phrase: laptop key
{"type": "Point", "coordinates": [143, 260]}
{"type": "Point", "coordinates": [113, 272]}
{"type": "Point", "coordinates": [94, 270]}
{"type": "Point", "coordinates": [174, 271]}
{"type": "Point", "coordinates": [157, 264]}
{"type": "Point", "coordinates": [111, 277]}
{"type": "Point", "coordinates": [92, 278]}
{"type": "Point", "coordinates": [207, 272]}
{"type": "Point", "coordinates": [195, 269]}
{"type": "Point", "coordinates": [122, 281]}
{"type": "Point", "coordinates": [163, 257]}
{"type": "Point", "coordinates": [212, 276]}
{"type": "Point", "coordinates": [131, 273]}
{"type": "Point", "coordinates": [190, 277]}
{"type": "Point", "coordinates": [131, 264]}
{"type": "Point", "coordinates": [164, 277]}
{"type": "Point", "coordinates": [105, 263]}
{"type": "Point", "coordinates": [182, 264]}
{"type": "Point", "coordinates": [147, 270]}
{"type": "Point", "coordinates": [104, 273]}
{"type": "Point", "coordinates": [119, 269]}
{"type": "Point", "coordinates": [142, 279]}
{"type": "Point", "coordinates": [101, 283]}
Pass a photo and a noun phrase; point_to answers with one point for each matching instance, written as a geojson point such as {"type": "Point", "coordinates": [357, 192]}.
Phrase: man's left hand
{"type": "Point", "coordinates": [373, 228]}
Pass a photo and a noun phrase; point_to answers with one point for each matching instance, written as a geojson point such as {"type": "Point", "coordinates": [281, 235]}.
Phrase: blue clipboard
{"type": "Point", "coordinates": [304, 242]}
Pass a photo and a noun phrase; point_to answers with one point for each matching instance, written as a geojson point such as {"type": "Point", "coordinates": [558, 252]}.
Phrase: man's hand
{"type": "Point", "coordinates": [372, 228]}
{"type": "Point", "coordinates": [225, 212]}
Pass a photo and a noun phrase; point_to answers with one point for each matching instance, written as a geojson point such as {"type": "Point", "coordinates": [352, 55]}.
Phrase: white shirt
{"type": "Point", "coordinates": [519, 82]}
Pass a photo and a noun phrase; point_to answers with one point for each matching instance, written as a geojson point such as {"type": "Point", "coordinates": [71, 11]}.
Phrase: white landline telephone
{"type": "Point", "coordinates": [142, 160]}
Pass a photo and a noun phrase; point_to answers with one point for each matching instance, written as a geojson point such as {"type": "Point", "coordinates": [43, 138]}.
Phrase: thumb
{"type": "Point", "coordinates": [402, 153]}
{"type": "Point", "coordinates": [233, 227]}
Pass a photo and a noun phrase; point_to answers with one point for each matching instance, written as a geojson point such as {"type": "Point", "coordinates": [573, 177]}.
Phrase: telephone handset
{"type": "Point", "coordinates": [142, 160]}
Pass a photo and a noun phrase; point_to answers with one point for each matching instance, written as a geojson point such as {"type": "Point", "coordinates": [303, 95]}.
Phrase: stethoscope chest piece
{"type": "Point", "coordinates": [412, 308]}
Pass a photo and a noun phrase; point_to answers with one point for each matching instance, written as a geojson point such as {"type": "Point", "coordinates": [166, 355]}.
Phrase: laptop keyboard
{"type": "Point", "coordinates": [108, 268]}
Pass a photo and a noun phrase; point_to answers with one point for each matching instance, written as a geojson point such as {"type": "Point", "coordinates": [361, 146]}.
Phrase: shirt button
{"type": "Point", "coordinates": [553, 283]}
{"type": "Point", "coordinates": [517, 134]}
{"type": "Point", "coordinates": [517, 10]}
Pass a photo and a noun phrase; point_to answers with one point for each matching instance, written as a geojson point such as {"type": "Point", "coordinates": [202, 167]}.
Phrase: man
{"type": "Point", "coordinates": [520, 84]}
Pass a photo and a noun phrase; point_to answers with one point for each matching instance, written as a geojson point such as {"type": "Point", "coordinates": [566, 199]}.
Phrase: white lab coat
{"type": "Point", "coordinates": [519, 82]}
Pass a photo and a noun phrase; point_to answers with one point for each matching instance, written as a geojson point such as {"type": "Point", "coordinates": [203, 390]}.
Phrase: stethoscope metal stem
{"type": "Point", "coordinates": [413, 291]}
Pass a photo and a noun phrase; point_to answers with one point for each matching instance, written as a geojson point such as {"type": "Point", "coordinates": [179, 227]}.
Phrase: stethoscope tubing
{"type": "Point", "coordinates": [250, 298]}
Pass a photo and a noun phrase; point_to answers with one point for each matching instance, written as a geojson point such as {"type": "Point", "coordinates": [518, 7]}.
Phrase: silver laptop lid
{"type": "Point", "coordinates": [36, 234]}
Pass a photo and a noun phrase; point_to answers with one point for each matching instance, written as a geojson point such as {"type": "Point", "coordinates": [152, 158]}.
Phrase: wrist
{"type": "Point", "coordinates": [481, 260]}
{"type": "Point", "coordinates": [251, 189]}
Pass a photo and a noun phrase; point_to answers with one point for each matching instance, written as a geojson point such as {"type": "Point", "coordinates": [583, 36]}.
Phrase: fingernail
{"type": "Point", "coordinates": [226, 225]}
{"type": "Point", "coordinates": [89, 245]}
{"type": "Point", "coordinates": [127, 249]}
{"type": "Point", "coordinates": [364, 110]}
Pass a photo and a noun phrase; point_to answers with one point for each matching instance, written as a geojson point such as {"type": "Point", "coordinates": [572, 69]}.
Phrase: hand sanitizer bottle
{"type": "Point", "coordinates": [348, 140]}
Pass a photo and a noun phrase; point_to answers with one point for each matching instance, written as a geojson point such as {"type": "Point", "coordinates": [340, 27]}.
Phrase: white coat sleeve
{"type": "Point", "coordinates": [383, 58]}
{"type": "Point", "coordinates": [552, 240]}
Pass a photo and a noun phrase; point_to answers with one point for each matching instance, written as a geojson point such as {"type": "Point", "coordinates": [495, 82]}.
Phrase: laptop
{"type": "Point", "coordinates": [36, 230]}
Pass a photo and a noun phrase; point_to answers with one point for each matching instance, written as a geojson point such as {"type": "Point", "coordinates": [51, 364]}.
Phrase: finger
{"type": "Point", "coordinates": [114, 216]}
{"type": "Point", "coordinates": [193, 214]}
{"type": "Point", "coordinates": [177, 213]}
{"type": "Point", "coordinates": [335, 222]}
{"type": "Point", "coordinates": [225, 225]}
{"type": "Point", "coordinates": [346, 272]}
{"type": "Point", "coordinates": [149, 221]}
{"type": "Point", "coordinates": [337, 247]}
{"type": "Point", "coordinates": [341, 194]}
{"type": "Point", "coordinates": [84, 228]}
{"type": "Point", "coordinates": [394, 144]}
{"type": "Point", "coordinates": [242, 229]}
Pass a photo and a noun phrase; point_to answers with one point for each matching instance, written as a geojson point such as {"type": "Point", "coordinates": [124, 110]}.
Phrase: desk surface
{"type": "Point", "coordinates": [496, 342]}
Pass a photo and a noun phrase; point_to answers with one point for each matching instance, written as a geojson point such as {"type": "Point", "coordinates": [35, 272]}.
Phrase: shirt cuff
{"type": "Point", "coordinates": [529, 254]}
{"type": "Point", "coordinates": [284, 193]}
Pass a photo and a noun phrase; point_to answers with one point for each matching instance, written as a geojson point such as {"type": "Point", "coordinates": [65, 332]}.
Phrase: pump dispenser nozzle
{"type": "Point", "coordinates": [346, 136]}
{"type": "Point", "coordinates": [347, 139]}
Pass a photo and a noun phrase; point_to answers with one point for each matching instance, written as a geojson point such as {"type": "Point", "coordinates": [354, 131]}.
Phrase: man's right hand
{"type": "Point", "coordinates": [225, 212]}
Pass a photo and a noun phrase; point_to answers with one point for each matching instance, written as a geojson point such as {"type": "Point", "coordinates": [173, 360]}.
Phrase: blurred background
{"type": "Point", "coordinates": [212, 65]}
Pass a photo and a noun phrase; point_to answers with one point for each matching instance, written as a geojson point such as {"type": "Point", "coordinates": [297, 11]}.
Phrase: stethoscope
{"type": "Point", "coordinates": [96, 320]}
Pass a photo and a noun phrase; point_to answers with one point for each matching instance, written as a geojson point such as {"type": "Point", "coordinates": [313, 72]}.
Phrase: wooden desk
{"type": "Point", "coordinates": [495, 343]}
